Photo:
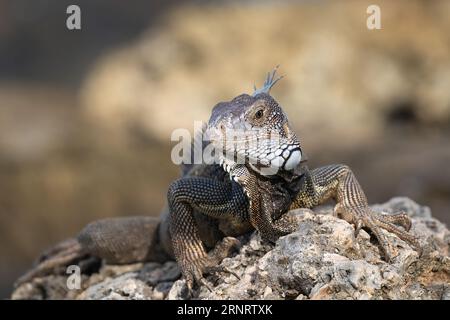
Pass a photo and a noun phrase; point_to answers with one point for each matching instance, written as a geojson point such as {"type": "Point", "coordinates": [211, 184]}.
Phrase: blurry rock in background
{"type": "Point", "coordinates": [85, 122]}
{"type": "Point", "coordinates": [338, 73]}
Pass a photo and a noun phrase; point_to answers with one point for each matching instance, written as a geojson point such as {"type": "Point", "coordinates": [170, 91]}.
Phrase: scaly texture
{"type": "Point", "coordinates": [321, 259]}
{"type": "Point", "coordinates": [263, 174]}
{"type": "Point", "coordinates": [339, 183]}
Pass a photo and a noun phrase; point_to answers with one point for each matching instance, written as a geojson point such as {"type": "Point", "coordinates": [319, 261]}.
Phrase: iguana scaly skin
{"type": "Point", "coordinates": [207, 210]}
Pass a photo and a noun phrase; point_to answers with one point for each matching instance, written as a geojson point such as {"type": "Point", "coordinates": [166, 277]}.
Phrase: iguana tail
{"type": "Point", "coordinates": [119, 240]}
{"type": "Point", "coordinates": [60, 255]}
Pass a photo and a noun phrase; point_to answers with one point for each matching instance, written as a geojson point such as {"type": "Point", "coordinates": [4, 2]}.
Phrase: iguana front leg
{"type": "Point", "coordinates": [263, 207]}
{"type": "Point", "coordinates": [339, 182]}
{"type": "Point", "coordinates": [213, 198]}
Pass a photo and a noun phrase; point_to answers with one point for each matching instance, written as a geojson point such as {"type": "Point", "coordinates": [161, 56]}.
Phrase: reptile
{"type": "Point", "coordinates": [261, 173]}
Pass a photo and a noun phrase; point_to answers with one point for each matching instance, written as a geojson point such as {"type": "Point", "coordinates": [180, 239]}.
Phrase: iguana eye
{"type": "Point", "coordinates": [259, 114]}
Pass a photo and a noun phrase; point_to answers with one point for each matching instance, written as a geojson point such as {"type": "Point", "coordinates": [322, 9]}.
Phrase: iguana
{"type": "Point", "coordinates": [262, 174]}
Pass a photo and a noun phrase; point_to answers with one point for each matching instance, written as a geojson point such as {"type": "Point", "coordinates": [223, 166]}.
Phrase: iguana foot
{"type": "Point", "coordinates": [365, 217]}
{"type": "Point", "coordinates": [194, 271]}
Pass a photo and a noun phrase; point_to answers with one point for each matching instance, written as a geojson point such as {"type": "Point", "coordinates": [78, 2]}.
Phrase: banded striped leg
{"type": "Point", "coordinates": [262, 195]}
{"type": "Point", "coordinates": [261, 212]}
{"type": "Point", "coordinates": [339, 182]}
{"type": "Point", "coordinates": [213, 198]}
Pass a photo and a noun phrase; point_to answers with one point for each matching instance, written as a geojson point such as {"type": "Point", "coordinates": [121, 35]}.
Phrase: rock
{"type": "Point", "coordinates": [153, 273]}
{"type": "Point", "coordinates": [162, 290]}
{"type": "Point", "coordinates": [178, 291]}
{"type": "Point", "coordinates": [124, 287]}
{"type": "Point", "coordinates": [321, 260]}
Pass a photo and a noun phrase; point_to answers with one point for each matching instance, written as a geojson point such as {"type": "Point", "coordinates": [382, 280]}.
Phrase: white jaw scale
{"type": "Point", "coordinates": [287, 157]}
{"type": "Point", "coordinates": [228, 166]}
{"type": "Point", "coordinates": [293, 160]}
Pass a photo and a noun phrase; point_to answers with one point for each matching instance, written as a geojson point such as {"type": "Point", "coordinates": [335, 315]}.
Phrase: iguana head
{"type": "Point", "coordinates": [254, 130]}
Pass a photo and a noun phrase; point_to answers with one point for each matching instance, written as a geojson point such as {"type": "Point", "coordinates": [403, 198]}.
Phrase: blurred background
{"type": "Point", "coordinates": [86, 116]}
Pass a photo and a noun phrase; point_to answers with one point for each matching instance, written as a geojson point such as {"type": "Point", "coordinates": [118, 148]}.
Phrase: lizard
{"type": "Point", "coordinates": [261, 175]}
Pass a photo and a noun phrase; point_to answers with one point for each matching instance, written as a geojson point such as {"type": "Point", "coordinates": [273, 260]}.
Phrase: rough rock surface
{"type": "Point", "coordinates": [321, 260]}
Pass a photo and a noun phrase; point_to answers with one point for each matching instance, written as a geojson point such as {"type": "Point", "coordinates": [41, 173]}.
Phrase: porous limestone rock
{"type": "Point", "coordinates": [321, 260]}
